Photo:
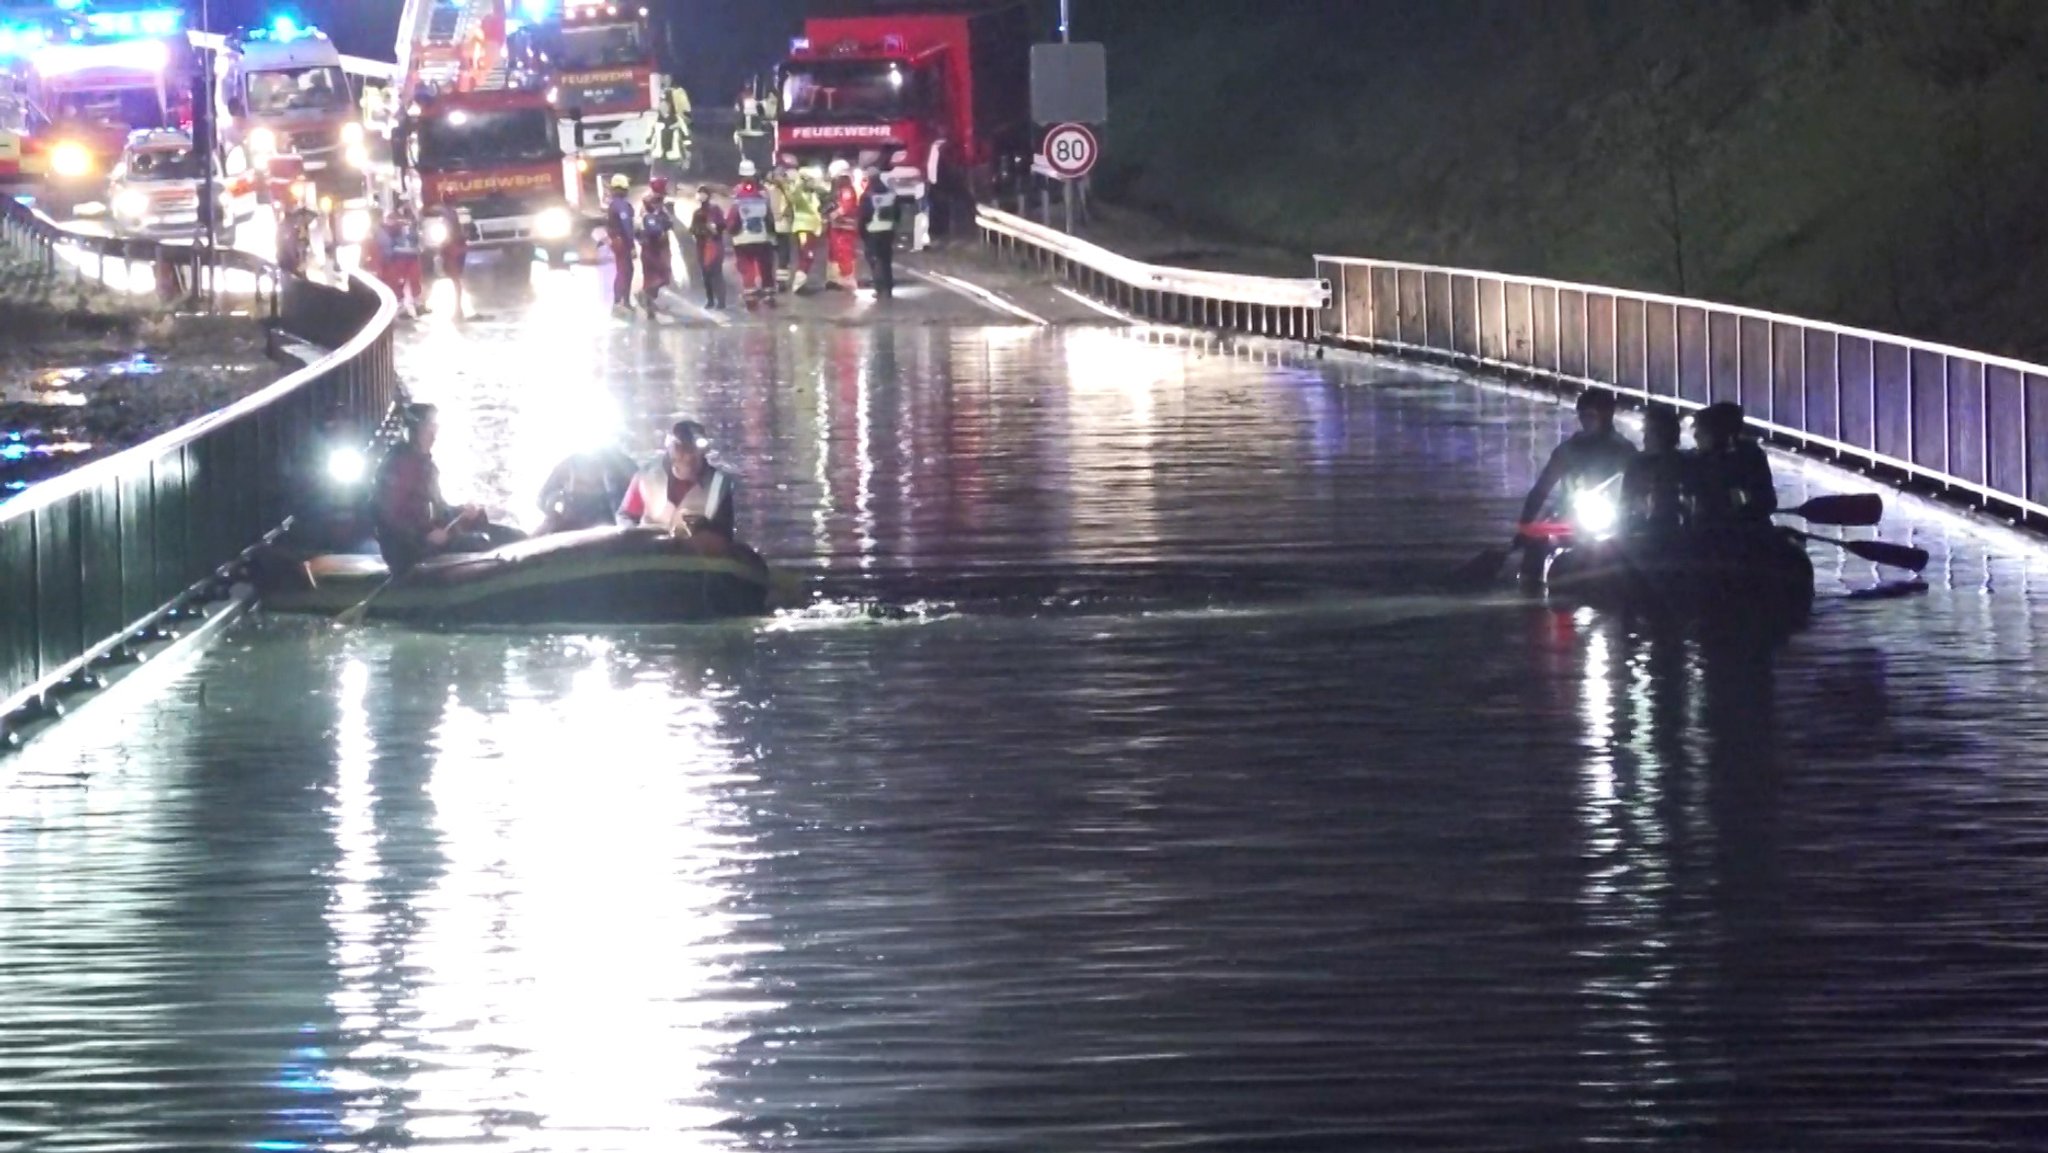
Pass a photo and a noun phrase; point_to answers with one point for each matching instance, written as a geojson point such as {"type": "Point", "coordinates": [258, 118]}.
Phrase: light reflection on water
{"type": "Point", "coordinates": [1171, 810]}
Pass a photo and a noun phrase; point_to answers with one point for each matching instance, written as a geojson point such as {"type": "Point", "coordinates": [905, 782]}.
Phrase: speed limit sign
{"type": "Point", "coordinates": [1070, 151]}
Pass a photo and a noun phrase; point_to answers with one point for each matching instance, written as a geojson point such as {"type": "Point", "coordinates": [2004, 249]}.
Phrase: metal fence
{"type": "Point", "coordinates": [1262, 305]}
{"type": "Point", "coordinates": [91, 556]}
{"type": "Point", "coordinates": [1973, 424]}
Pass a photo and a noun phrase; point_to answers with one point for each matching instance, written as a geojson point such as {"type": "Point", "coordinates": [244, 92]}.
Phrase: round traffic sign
{"type": "Point", "coordinates": [1070, 151]}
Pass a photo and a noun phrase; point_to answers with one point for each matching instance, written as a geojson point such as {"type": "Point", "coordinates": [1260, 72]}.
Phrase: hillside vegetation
{"type": "Point", "coordinates": [1874, 162]}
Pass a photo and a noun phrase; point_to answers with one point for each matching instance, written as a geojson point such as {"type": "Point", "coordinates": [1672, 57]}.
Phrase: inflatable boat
{"type": "Point", "coordinates": [1759, 575]}
{"type": "Point", "coordinates": [598, 576]}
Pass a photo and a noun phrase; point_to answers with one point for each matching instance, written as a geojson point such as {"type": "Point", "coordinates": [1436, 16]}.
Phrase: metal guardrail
{"type": "Point", "coordinates": [1265, 305]}
{"type": "Point", "coordinates": [1962, 420]}
{"type": "Point", "coordinates": [98, 554]}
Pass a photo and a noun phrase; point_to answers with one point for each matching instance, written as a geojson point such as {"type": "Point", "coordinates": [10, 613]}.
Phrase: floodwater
{"type": "Point", "coordinates": [1131, 787]}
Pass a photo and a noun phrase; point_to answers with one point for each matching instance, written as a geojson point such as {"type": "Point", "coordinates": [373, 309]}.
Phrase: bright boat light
{"type": "Point", "coordinates": [1594, 514]}
{"type": "Point", "coordinates": [346, 466]}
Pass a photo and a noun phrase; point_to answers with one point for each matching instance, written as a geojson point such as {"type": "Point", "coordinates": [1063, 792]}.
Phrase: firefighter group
{"type": "Point", "coordinates": [772, 226]}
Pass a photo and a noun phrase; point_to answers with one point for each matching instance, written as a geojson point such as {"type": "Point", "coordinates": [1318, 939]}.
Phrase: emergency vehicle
{"type": "Point", "coordinates": [472, 132]}
{"type": "Point", "coordinates": [597, 62]}
{"type": "Point", "coordinates": [154, 188]}
{"type": "Point", "coordinates": [280, 90]}
{"type": "Point", "coordinates": [73, 87]}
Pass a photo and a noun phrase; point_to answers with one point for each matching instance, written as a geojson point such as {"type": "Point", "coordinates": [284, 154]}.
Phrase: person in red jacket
{"type": "Point", "coordinates": [707, 228]}
{"type": "Point", "coordinates": [751, 223]}
{"type": "Point", "coordinates": [657, 235]}
{"type": "Point", "coordinates": [413, 520]}
{"type": "Point", "coordinates": [842, 230]}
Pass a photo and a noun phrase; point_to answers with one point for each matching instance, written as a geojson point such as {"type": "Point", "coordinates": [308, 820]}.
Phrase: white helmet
{"type": "Point", "coordinates": [747, 168]}
{"type": "Point", "coordinates": [838, 169]}
{"type": "Point", "coordinates": [899, 157]}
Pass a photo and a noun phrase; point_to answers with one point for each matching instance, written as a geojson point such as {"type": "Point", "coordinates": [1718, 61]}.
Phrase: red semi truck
{"type": "Point", "coordinates": [950, 86]}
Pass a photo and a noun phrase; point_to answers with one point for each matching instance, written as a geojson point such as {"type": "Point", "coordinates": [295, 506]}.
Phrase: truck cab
{"type": "Point", "coordinates": [281, 91]}
{"type": "Point", "coordinates": [73, 95]}
{"type": "Point", "coordinates": [497, 156]}
{"type": "Point", "coordinates": [597, 64]}
{"type": "Point", "coordinates": [154, 189]}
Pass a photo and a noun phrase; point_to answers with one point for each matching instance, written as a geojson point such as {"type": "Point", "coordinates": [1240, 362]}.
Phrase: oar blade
{"type": "Point", "coordinates": [1885, 552]}
{"type": "Point", "coordinates": [1849, 510]}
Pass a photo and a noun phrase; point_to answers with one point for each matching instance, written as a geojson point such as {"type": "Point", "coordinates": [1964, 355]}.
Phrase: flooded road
{"type": "Point", "coordinates": [1131, 786]}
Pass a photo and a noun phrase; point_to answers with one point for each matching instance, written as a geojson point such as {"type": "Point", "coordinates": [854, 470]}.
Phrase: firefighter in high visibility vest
{"type": "Point", "coordinates": [779, 179]}
{"type": "Point", "coordinates": [879, 209]}
{"type": "Point", "coordinates": [807, 219]}
{"type": "Point", "coordinates": [842, 236]}
{"type": "Point", "coordinates": [750, 222]}
{"type": "Point", "coordinates": [668, 145]}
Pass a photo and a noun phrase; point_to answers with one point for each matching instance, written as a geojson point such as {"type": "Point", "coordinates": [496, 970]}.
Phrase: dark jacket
{"type": "Point", "coordinates": [1735, 486]}
{"type": "Point", "coordinates": [407, 505]}
{"type": "Point", "coordinates": [1584, 460]}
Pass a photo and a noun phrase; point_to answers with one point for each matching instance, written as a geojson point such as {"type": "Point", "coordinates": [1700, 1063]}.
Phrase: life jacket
{"type": "Point", "coordinates": [670, 140]}
{"type": "Point", "coordinates": [756, 224]}
{"type": "Point", "coordinates": [779, 203]}
{"type": "Point", "coordinates": [703, 500]}
{"type": "Point", "coordinates": [881, 208]}
{"type": "Point", "coordinates": [655, 221]}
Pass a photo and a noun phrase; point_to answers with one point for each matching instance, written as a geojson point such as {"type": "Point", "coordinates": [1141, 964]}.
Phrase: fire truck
{"type": "Point", "coordinates": [74, 86]}
{"type": "Point", "coordinates": [597, 62]}
{"type": "Point", "coordinates": [472, 132]}
{"type": "Point", "coordinates": [950, 86]}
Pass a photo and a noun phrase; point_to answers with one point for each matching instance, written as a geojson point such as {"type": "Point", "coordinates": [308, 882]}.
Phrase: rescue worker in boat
{"type": "Point", "coordinates": [1656, 485]}
{"type": "Point", "coordinates": [683, 493]}
{"type": "Point", "coordinates": [413, 520]}
{"type": "Point", "coordinates": [1734, 482]}
{"type": "Point", "coordinates": [585, 490]}
{"type": "Point", "coordinates": [1589, 458]}
{"type": "Point", "coordinates": [618, 232]}
{"type": "Point", "coordinates": [707, 228]}
{"type": "Point", "coordinates": [879, 212]}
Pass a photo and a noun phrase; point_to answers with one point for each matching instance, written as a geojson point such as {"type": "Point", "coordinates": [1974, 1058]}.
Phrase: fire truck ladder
{"type": "Point", "coordinates": [451, 45]}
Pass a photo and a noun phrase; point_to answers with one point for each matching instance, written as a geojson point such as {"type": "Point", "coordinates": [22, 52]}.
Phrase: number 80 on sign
{"type": "Point", "coordinates": [1070, 151]}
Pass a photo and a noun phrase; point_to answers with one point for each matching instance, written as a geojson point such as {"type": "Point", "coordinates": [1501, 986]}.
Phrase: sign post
{"type": "Point", "coordinates": [1069, 90]}
{"type": "Point", "coordinates": [1070, 152]}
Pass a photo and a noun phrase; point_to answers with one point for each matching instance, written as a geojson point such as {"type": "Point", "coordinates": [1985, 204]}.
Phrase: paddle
{"type": "Point", "coordinates": [1848, 510]}
{"type": "Point", "coordinates": [353, 615]}
{"type": "Point", "coordinates": [1875, 551]}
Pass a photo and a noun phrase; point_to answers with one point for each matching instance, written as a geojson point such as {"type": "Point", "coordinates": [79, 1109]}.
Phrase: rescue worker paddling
{"type": "Point", "coordinates": [684, 493]}
{"type": "Point", "coordinates": [413, 520]}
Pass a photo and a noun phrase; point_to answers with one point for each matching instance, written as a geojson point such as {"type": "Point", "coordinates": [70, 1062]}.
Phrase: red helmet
{"type": "Point", "coordinates": [658, 186]}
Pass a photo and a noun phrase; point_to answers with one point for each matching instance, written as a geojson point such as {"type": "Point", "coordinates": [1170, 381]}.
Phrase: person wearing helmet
{"type": "Point", "coordinates": [908, 182]}
{"type": "Point", "coordinates": [707, 228]}
{"type": "Point", "coordinates": [586, 489]}
{"type": "Point", "coordinates": [807, 220]}
{"type": "Point", "coordinates": [657, 239]}
{"type": "Point", "coordinates": [684, 493]}
{"type": "Point", "coordinates": [618, 231]}
{"type": "Point", "coordinates": [751, 223]}
{"type": "Point", "coordinates": [842, 223]}
{"type": "Point", "coordinates": [413, 520]}
{"type": "Point", "coordinates": [1734, 483]}
{"type": "Point", "coordinates": [879, 212]}
{"type": "Point", "coordinates": [784, 213]}
{"type": "Point", "coordinates": [1589, 460]}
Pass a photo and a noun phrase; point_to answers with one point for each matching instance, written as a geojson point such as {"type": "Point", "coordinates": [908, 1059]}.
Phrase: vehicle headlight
{"type": "Point", "coordinates": [130, 204]}
{"type": "Point", "coordinates": [436, 233]}
{"type": "Point", "coordinates": [554, 224]}
{"type": "Point", "coordinates": [1594, 514]}
{"type": "Point", "coordinates": [345, 466]}
{"type": "Point", "coordinates": [262, 142]}
{"type": "Point", "coordinates": [352, 133]}
{"type": "Point", "coordinates": [70, 159]}
{"type": "Point", "coordinates": [355, 226]}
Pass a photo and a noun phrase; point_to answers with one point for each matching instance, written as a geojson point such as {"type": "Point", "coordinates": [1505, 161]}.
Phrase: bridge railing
{"type": "Point", "coordinates": [1264, 305]}
{"type": "Point", "coordinates": [97, 554]}
{"type": "Point", "coordinates": [1964, 421]}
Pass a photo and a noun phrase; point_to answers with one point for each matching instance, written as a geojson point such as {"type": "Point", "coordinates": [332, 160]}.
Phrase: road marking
{"type": "Point", "coordinates": [977, 293]}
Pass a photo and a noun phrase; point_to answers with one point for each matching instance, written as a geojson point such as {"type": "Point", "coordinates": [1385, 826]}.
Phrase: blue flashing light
{"type": "Point", "coordinates": [285, 29]}
{"type": "Point", "coordinates": [19, 40]}
{"type": "Point", "coordinates": [150, 23]}
{"type": "Point", "coordinates": [535, 11]}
